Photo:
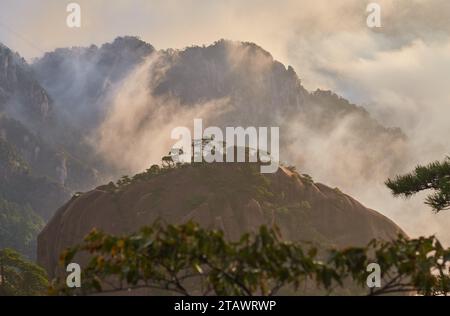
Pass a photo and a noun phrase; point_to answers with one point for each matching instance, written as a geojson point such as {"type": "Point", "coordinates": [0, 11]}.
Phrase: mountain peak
{"type": "Point", "coordinates": [253, 47]}
{"type": "Point", "coordinates": [13, 56]}
{"type": "Point", "coordinates": [130, 45]}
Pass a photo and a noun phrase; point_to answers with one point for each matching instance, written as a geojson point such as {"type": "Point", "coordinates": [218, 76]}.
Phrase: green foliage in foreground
{"type": "Point", "coordinates": [18, 276]}
{"type": "Point", "coordinates": [187, 259]}
{"type": "Point", "coordinates": [435, 177]}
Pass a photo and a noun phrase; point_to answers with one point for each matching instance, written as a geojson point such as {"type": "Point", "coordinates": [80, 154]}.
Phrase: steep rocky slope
{"type": "Point", "coordinates": [232, 197]}
{"type": "Point", "coordinates": [30, 124]}
{"type": "Point", "coordinates": [20, 92]}
{"type": "Point", "coordinates": [18, 184]}
{"type": "Point", "coordinates": [25, 200]}
{"type": "Point", "coordinates": [37, 168]}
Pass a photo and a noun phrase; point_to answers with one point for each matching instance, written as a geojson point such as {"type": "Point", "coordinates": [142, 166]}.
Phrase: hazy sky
{"type": "Point", "coordinates": [320, 38]}
{"type": "Point", "coordinates": [400, 72]}
{"type": "Point", "coordinates": [33, 25]}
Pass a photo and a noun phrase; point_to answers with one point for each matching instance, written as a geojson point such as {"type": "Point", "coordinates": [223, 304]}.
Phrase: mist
{"type": "Point", "coordinates": [135, 132]}
{"type": "Point", "coordinates": [398, 73]}
{"type": "Point", "coordinates": [347, 154]}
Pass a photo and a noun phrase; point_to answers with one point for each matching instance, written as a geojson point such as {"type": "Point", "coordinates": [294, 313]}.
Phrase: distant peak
{"type": "Point", "coordinates": [5, 49]}
{"type": "Point", "coordinates": [130, 42]}
{"type": "Point", "coordinates": [253, 47]}
{"type": "Point", "coordinates": [16, 58]}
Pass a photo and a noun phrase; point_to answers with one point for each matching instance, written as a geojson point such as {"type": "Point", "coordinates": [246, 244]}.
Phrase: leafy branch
{"type": "Point", "coordinates": [189, 260]}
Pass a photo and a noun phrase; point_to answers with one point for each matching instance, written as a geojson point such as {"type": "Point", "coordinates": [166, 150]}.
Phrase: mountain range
{"type": "Point", "coordinates": [79, 117]}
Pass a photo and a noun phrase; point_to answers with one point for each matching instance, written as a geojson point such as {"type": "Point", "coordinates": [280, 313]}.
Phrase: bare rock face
{"type": "Point", "coordinates": [20, 89]}
{"type": "Point", "coordinates": [30, 123]}
{"type": "Point", "coordinates": [233, 197]}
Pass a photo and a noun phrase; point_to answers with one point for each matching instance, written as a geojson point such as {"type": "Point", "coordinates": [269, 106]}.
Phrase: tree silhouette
{"type": "Point", "coordinates": [435, 177]}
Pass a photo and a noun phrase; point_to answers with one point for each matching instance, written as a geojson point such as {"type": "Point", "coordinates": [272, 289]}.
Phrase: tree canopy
{"type": "Point", "coordinates": [435, 177]}
{"type": "Point", "coordinates": [19, 276]}
{"type": "Point", "coordinates": [189, 260]}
